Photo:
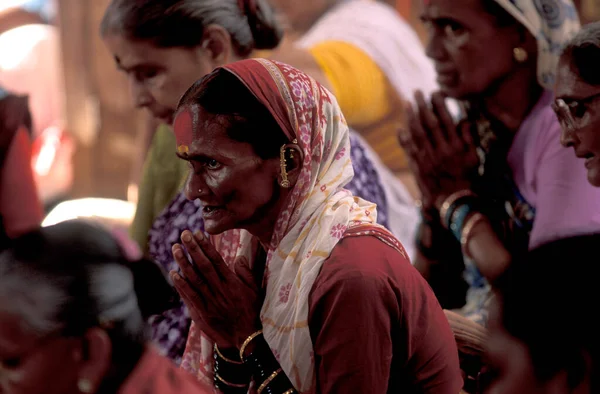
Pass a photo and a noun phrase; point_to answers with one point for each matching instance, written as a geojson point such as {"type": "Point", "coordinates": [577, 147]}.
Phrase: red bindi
{"type": "Point", "coordinates": [183, 127]}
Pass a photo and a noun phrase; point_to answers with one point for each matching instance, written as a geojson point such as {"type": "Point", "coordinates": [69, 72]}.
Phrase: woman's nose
{"type": "Point", "coordinates": [141, 96]}
{"type": "Point", "coordinates": [567, 137]}
{"type": "Point", "coordinates": [434, 48]}
{"type": "Point", "coordinates": [195, 187]}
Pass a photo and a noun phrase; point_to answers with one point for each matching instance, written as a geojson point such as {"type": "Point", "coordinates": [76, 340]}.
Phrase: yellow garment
{"type": "Point", "coordinates": [370, 104]}
{"type": "Point", "coordinates": [163, 178]}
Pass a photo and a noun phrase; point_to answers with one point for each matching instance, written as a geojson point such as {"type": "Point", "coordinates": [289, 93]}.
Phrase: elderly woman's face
{"type": "Point", "coordinates": [577, 106]}
{"type": "Point", "coordinates": [236, 187]}
{"type": "Point", "coordinates": [30, 364]}
{"type": "Point", "coordinates": [158, 76]}
{"type": "Point", "coordinates": [469, 50]}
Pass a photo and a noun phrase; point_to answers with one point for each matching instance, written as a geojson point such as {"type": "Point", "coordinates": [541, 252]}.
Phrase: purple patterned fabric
{"type": "Point", "coordinates": [170, 330]}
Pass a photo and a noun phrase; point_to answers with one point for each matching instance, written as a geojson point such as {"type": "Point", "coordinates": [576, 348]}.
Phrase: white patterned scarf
{"type": "Point", "coordinates": [315, 218]}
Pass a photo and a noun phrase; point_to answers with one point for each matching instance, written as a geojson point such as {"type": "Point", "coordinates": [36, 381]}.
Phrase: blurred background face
{"type": "Point", "coordinates": [158, 77]}
{"type": "Point", "coordinates": [469, 50]}
{"type": "Point", "coordinates": [31, 364]}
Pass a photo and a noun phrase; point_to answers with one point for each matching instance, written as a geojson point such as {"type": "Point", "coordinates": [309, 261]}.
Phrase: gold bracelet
{"type": "Point", "coordinates": [450, 200]}
{"type": "Point", "coordinates": [247, 342]}
{"type": "Point", "coordinates": [290, 391]}
{"type": "Point", "coordinates": [231, 384]}
{"type": "Point", "coordinates": [467, 229]}
{"type": "Point", "coordinates": [225, 358]}
{"type": "Point", "coordinates": [267, 381]}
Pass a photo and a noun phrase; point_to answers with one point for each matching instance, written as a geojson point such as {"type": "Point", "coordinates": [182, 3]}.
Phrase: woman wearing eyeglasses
{"type": "Point", "coordinates": [578, 98]}
{"type": "Point", "coordinates": [498, 183]}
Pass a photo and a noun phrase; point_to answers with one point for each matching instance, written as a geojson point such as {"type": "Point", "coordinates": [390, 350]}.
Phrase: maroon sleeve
{"type": "Point", "coordinates": [351, 328]}
{"type": "Point", "coordinates": [377, 327]}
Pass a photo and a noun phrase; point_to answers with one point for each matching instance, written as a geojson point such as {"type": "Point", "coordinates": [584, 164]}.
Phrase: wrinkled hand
{"type": "Point", "coordinates": [223, 303]}
{"type": "Point", "coordinates": [441, 154]}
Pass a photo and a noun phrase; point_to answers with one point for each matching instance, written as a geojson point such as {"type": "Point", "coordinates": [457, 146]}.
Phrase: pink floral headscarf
{"type": "Point", "coordinates": [316, 216]}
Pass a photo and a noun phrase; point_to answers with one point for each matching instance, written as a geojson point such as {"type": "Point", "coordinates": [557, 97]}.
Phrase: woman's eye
{"type": "Point", "coordinates": [453, 29]}
{"type": "Point", "coordinates": [11, 362]}
{"type": "Point", "coordinates": [578, 110]}
{"type": "Point", "coordinates": [145, 74]}
{"type": "Point", "coordinates": [212, 164]}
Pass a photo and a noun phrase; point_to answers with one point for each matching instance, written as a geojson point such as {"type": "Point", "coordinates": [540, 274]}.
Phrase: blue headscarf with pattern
{"type": "Point", "coordinates": [552, 23]}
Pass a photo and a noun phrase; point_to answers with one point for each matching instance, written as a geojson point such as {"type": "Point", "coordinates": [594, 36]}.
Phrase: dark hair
{"type": "Point", "coordinates": [180, 23]}
{"type": "Point", "coordinates": [583, 53]}
{"type": "Point", "coordinates": [74, 276]}
{"type": "Point", "coordinates": [548, 300]}
{"type": "Point", "coordinates": [503, 17]}
{"type": "Point", "coordinates": [221, 93]}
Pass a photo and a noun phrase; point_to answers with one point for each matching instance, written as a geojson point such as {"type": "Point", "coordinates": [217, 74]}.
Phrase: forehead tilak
{"type": "Point", "coordinates": [185, 128]}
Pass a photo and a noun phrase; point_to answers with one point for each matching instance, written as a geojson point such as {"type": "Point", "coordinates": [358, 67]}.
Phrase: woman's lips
{"type": "Point", "coordinates": [211, 211]}
{"type": "Point", "coordinates": [167, 119]}
{"type": "Point", "coordinates": [446, 78]}
{"type": "Point", "coordinates": [589, 161]}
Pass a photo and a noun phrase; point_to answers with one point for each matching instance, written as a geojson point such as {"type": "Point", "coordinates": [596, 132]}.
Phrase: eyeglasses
{"type": "Point", "coordinates": [570, 113]}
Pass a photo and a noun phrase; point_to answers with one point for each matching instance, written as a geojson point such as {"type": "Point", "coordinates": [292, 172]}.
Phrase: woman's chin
{"type": "Point", "coordinates": [456, 92]}
{"type": "Point", "coordinates": [593, 175]}
{"type": "Point", "coordinates": [216, 227]}
{"type": "Point", "coordinates": [212, 228]}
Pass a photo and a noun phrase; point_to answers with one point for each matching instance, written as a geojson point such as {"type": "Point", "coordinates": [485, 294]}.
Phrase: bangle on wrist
{"type": "Point", "coordinates": [234, 376]}
{"type": "Point", "coordinates": [268, 380]}
{"type": "Point", "coordinates": [467, 232]}
{"type": "Point", "coordinates": [451, 202]}
{"type": "Point", "coordinates": [226, 383]}
{"type": "Point", "coordinates": [227, 359]}
{"type": "Point", "coordinates": [247, 342]}
{"type": "Point", "coordinates": [458, 218]}
{"type": "Point", "coordinates": [266, 370]}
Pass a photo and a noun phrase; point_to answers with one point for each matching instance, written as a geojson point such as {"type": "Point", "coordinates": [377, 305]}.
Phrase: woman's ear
{"type": "Point", "coordinates": [216, 42]}
{"type": "Point", "coordinates": [290, 163]}
{"type": "Point", "coordinates": [97, 362]}
{"type": "Point", "coordinates": [525, 40]}
{"type": "Point", "coordinates": [294, 158]}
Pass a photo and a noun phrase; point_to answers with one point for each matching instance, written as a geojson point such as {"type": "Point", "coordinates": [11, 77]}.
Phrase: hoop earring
{"type": "Point", "coordinates": [85, 386]}
{"type": "Point", "coordinates": [285, 183]}
{"type": "Point", "coordinates": [520, 55]}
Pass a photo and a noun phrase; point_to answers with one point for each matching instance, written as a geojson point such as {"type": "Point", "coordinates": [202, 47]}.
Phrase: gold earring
{"type": "Point", "coordinates": [85, 386]}
{"type": "Point", "coordinates": [295, 141]}
{"type": "Point", "coordinates": [520, 55]}
{"type": "Point", "coordinates": [285, 183]}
